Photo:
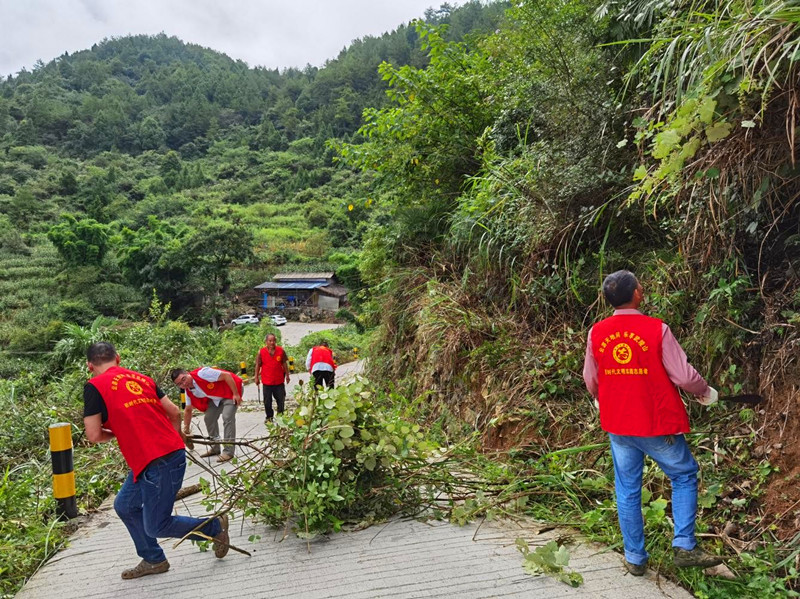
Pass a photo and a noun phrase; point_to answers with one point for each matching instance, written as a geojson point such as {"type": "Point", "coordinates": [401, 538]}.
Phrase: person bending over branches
{"type": "Point", "coordinates": [128, 406]}
{"type": "Point", "coordinates": [215, 392]}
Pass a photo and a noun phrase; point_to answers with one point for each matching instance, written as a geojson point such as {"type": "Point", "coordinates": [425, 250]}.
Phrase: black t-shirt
{"type": "Point", "coordinates": [93, 402]}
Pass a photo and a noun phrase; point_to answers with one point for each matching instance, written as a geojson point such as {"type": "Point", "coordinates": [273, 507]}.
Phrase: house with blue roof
{"type": "Point", "coordinates": [302, 290]}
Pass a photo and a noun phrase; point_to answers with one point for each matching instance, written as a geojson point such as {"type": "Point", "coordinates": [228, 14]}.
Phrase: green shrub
{"type": "Point", "coordinates": [346, 461]}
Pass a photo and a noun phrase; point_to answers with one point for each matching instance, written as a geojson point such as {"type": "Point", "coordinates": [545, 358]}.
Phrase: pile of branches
{"type": "Point", "coordinates": [339, 460]}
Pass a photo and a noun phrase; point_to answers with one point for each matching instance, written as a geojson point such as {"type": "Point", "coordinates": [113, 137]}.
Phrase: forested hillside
{"type": "Point", "coordinates": [148, 164]}
{"type": "Point", "coordinates": [146, 185]}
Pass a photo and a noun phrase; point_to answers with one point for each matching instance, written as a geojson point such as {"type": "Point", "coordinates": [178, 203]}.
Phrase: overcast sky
{"type": "Point", "coordinates": [271, 33]}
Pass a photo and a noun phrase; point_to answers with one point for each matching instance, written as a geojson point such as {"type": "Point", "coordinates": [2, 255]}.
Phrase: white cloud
{"type": "Point", "coordinates": [269, 33]}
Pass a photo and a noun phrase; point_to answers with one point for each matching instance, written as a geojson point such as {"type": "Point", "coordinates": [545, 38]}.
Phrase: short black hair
{"type": "Point", "coordinates": [101, 352]}
{"type": "Point", "coordinates": [176, 373]}
{"type": "Point", "coordinates": [325, 343]}
{"type": "Point", "coordinates": [618, 287]}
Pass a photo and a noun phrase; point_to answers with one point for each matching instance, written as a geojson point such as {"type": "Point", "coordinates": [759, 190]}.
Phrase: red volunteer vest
{"type": "Point", "coordinates": [272, 372]}
{"type": "Point", "coordinates": [323, 354]}
{"type": "Point", "coordinates": [136, 417]}
{"type": "Point", "coordinates": [634, 391]}
{"type": "Point", "coordinates": [216, 389]}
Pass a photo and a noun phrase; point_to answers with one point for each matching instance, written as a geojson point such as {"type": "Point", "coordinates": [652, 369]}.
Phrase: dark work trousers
{"type": "Point", "coordinates": [279, 393]}
{"type": "Point", "coordinates": [324, 376]}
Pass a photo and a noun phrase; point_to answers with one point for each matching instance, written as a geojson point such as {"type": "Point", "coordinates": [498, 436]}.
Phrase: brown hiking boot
{"type": "Point", "coordinates": [225, 457]}
{"type": "Point", "coordinates": [144, 568]}
{"type": "Point", "coordinates": [696, 557]}
{"type": "Point", "coordinates": [636, 569]}
{"type": "Point", "coordinates": [222, 540]}
{"type": "Point", "coordinates": [209, 453]}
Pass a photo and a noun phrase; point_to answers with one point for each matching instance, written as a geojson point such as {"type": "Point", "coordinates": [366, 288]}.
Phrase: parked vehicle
{"type": "Point", "coordinates": [245, 319]}
{"type": "Point", "coordinates": [277, 320]}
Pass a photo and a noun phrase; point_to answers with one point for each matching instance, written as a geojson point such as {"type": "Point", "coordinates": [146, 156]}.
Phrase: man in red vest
{"type": "Point", "coordinates": [129, 407]}
{"type": "Point", "coordinates": [320, 363]}
{"type": "Point", "coordinates": [633, 365]}
{"type": "Point", "coordinates": [215, 392]}
{"type": "Point", "coordinates": [272, 369]}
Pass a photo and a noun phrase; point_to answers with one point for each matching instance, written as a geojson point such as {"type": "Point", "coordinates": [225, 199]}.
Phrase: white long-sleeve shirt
{"type": "Point", "coordinates": [207, 374]}
{"type": "Point", "coordinates": [319, 366]}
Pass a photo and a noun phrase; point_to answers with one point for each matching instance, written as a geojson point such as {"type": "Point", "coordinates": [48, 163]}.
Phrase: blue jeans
{"type": "Point", "coordinates": [676, 460]}
{"type": "Point", "coordinates": [145, 507]}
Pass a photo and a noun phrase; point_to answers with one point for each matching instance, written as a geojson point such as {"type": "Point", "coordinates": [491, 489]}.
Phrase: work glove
{"type": "Point", "coordinates": [596, 404]}
{"type": "Point", "coordinates": [709, 397]}
{"type": "Point", "coordinates": [187, 440]}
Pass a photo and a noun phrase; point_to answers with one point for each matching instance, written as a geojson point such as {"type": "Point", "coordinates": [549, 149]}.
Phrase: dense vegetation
{"type": "Point", "coordinates": [580, 138]}
{"type": "Point", "coordinates": [146, 185]}
{"type": "Point", "coordinates": [479, 201]}
{"type": "Point", "coordinates": [148, 164]}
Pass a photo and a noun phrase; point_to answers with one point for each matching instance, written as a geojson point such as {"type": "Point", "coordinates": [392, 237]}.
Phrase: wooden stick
{"type": "Point", "coordinates": [186, 492]}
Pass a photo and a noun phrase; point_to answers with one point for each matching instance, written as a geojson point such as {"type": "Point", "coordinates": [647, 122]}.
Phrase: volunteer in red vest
{"type": "Point", "coordinates": [320, 364]}
{"type": "Point", "coordinates": [272, 370]}
{"type": "Point", "coordinates": [129, 407]}
{"type": "Point", "coordinates": [633, 367]}
{"type": "Point", "coordinates": [217, 393]}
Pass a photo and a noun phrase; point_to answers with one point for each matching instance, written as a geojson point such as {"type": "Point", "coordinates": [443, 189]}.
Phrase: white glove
{"type": "Point", "coordinates": [596, 404]}
{"type": "Point", "coordinates": [709, 397]}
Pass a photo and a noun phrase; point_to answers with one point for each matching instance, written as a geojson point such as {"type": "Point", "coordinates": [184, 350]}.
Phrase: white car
{"type": "Point", "coordinates": [277, 320]}
{"type": "Point", "coordinates": [245, 319]}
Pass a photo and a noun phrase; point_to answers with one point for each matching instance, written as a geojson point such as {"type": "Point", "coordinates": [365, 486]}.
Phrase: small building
{"type": "Point", "coordinates": [302, 289]}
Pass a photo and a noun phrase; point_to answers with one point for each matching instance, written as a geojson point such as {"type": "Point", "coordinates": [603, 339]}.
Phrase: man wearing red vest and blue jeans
{"type": "Point", "coordinates": [217, 393]}
{"type": "Point", "coordinates": [633, 367]}
{"type": "Point", "coordinates": [129, 407]}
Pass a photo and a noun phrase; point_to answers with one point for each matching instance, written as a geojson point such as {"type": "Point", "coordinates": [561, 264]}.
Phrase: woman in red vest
{"type": "Point", "coordinates": [272, 369]}
{"type": "Point", "coordinates": [215, 392]}
{"type": "Point", "coordinates": [320, 363]}
{"type": "Point", "coordinates": [633, 365]}
{"type": "Point", "coordinates": [129, 407]}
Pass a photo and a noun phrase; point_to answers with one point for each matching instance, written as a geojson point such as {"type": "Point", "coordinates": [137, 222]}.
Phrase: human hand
{"type": "Point", "coordinates": [187, 440]}
{"type": "Point", "coordinates": [287, 379]}
{"type": "Point", "coordinates": [596, 404]}
{"type": "Point", "coordinates": [237, 399]}
{"type": "Point", "coordinates": [711, 396]}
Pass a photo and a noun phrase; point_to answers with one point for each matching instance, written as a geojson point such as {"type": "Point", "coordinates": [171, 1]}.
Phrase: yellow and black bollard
{"type": "Point", "coordinates": [355, 353]}
{"type": "Point", "coordinates": [291, 364]}
{"type": "Point", "coordinates": [63, 469]}
{"type": "Point", "coordinates": [183, 400]}
{"type": "Point", "coordinates": [243, 370]}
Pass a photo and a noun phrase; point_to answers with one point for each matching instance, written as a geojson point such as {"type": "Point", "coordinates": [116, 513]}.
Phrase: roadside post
{"type": "Point", "coordinates": [63, 469]}
{"type": "Point", "coordinates": [291, 365]}
{"type": "Point", "coordinates": [243, 370]}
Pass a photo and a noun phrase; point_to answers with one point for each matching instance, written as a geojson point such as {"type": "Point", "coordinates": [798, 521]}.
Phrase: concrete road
{"type": "Point", "coordinates": [252, 400]}
{"type": "Point", "coordinates": [400, 559]}
{"type": "Point", "coordinates": [293, 332]}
